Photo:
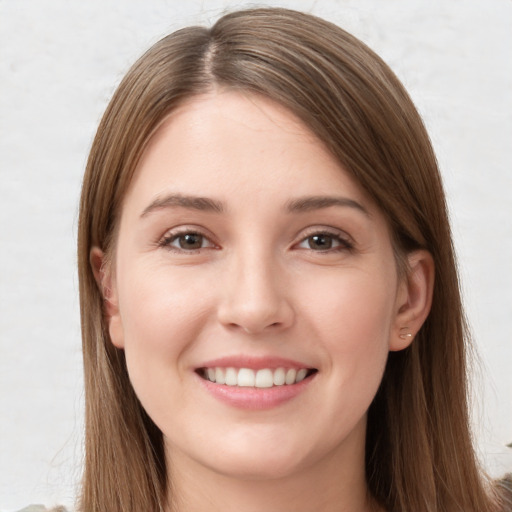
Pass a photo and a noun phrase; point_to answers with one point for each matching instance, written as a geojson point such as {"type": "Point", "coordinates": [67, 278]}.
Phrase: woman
{"type": "Point", "coordinates": [270, 306]}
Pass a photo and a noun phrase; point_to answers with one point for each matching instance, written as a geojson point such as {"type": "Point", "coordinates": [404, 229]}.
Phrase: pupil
{"type": "Point", "coordinates": [191, 241]}
{"type": "Point", "coordinates": [320, 242]}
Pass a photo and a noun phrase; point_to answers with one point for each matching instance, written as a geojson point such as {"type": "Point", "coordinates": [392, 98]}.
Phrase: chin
{"type": "Point", "coordinates": [263, 460]}
{"type": "Point", "coordinates": [258, 467]}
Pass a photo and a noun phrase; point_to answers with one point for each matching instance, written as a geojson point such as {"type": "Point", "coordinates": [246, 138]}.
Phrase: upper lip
{"type": "Point", "coordinates": [254, 363]}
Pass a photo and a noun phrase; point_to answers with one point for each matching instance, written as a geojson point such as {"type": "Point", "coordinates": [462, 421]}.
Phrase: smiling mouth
{"type": "Point", "coordinates": [249, 378]}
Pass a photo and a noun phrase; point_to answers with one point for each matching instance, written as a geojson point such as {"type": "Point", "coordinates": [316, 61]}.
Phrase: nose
{"type": "Point", "coordinates": [255, 295]}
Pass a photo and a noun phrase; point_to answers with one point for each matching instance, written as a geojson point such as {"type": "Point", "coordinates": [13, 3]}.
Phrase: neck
{"type": "Point", "coordinates": [333, 484]}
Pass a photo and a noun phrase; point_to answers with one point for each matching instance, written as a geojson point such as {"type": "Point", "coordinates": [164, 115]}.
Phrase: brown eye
{"type": "Point", "coordinates": [320, 242]}
{"type": "Point", "coordinates": [325, 242]}
{"type": "Point", "coordinates": [189, 241]}
{"type": "Point", "coordinates": [186, 241]}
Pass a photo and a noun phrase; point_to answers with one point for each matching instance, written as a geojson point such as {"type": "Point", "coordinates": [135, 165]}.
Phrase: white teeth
{"type": "Point", "coordinates": [264, 379]}
{"type": "Point", "coordinates": [301, 375]}
{"type": "Point", "coordinates": [231, 377]}
{"type": "Point", "coordinates": [246, 377]}
{"type": "Point", "coordinates": [290, 376]}
{"type": "Point", "coordinates": [279, 377]}
{"type": "Point", "coordinates": [219, 376]}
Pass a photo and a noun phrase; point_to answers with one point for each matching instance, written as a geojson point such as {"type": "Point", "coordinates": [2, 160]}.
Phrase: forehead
{"type": "Point", "coordinates": [229, 144]}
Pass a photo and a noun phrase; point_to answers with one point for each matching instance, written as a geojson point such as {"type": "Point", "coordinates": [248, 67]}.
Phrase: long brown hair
{"type": "Point", "coordinates": [419, 453]}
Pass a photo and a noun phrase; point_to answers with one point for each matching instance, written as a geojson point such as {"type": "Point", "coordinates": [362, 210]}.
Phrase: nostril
{"type": "Point", "coordinates": [253, 307]}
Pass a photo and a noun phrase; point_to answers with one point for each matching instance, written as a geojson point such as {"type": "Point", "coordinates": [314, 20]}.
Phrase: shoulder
{"type": "Point", "coordinates": [41, 508]}
{"type": "Point", "coordinates": [504, 491]}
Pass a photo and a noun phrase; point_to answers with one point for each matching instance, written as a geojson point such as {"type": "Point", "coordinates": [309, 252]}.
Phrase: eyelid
{"type": "Point", "coordinates": [173, 233]}
{"type": "Point", "coordinates": [347, 242]}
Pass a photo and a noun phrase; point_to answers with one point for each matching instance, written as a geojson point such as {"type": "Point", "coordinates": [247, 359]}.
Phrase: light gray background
{"type": "Point", "coordinates": [59, 63]}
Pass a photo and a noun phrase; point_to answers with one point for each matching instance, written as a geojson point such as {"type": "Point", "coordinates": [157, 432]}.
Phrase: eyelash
{"type": "Point", "coordinates": [174, 236]}
{"type": "Point", "coordinates": [342, 241]}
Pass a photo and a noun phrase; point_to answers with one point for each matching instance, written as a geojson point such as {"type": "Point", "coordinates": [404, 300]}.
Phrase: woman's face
{"type": "Point", "coordinates": [254, 291]}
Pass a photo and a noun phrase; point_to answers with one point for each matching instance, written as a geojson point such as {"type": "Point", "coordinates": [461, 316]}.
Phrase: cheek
{"type": "Point", "coordinates": [156, 304]}
{"type": "Point", "coordinates": [352, 319]}
{"type": "Point", "coordinates": [162, 315]}
{"type": "Point", "coordinates": [356, 305]}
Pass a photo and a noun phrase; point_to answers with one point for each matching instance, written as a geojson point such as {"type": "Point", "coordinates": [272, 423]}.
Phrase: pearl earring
{"type": "Point", "coordinates": [405, 335]}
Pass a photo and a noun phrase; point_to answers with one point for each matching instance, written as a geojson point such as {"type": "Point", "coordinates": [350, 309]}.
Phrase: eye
{"type": "Point", "coordinates": [324, 242]}
{"type": "Point", "coordinates": [186, 241]}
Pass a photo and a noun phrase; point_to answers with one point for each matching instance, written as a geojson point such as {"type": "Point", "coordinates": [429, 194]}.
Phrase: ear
{"type": "Point", "coordinates": [414, 299]}
{"type": "Point", "coordinates": [102, 271]}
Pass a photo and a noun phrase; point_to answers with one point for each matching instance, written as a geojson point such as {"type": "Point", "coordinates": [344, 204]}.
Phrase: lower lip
{"type": "Point", "coordinates": [256, 398]}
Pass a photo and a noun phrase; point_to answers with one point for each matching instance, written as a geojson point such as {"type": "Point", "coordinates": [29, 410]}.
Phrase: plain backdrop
{"type": "Point", "coordinates": [59, 64]}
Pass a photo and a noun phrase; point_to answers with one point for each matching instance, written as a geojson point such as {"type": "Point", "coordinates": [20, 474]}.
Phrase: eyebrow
{"type": "Point", "coordinates": [204, 204]}
{"type": "Point", "coordinates": [309, 203]}
{"type": "Point", "coordinates": [301, 204]}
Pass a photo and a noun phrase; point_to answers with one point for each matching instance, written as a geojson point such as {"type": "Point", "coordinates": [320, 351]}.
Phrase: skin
{"type": "Point", "coordinates": [256, 283]}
